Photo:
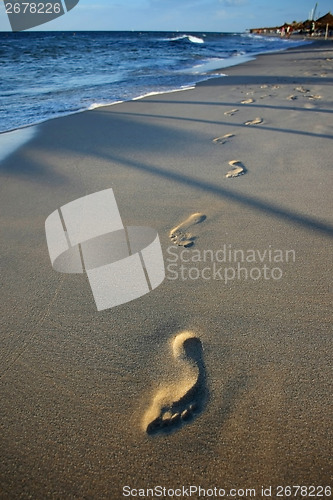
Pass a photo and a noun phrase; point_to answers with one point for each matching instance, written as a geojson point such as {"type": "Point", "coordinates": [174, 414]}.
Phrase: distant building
{"type": "Point", "coordinates": [308, 27]}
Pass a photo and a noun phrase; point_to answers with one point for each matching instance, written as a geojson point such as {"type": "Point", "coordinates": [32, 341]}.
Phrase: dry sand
{"type": "Point", "coordinates": [240, 373]}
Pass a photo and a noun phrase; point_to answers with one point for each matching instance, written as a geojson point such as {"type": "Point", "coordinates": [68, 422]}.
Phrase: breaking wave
{"type": "Point", "coordinates": [191, 38]}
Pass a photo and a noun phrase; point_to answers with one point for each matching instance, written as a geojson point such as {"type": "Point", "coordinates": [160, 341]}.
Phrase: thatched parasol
{"type": "Point", "coordinates": [322, 22]}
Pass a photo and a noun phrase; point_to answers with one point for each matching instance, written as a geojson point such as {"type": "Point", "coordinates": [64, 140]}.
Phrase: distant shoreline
{"type": "Point", "coordinates": [319, 28]}
{"type": "Point", "coordinates": [293, 36]}
{"type": "Point", "coordinates": [164, 63]}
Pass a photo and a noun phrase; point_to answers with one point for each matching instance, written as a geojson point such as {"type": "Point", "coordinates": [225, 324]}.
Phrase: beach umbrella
{"type": "Point", "coordinates": [325, 20]}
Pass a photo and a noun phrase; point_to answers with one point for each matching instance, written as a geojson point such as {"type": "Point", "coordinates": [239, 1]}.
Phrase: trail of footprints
{"type": "Point", "coordinates": [180, 402]}
{"type": "Point", "coordinates": [238, 167]}
{"type": "Point", "coordinates": [306, 93]}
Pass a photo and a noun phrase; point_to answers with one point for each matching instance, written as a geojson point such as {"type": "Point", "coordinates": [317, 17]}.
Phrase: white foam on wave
{"type": "Point", "coordinates": [13, 140]}
{"type": "Point", "coordinates": [96, 105]}
{"type": "Point", "coordinates": [175, 39]}
{"type": "Point", "coordinates": [191, 38]}
{"type": "Point", "coordinates": [195, 39]}
{"type": "Point", "coordinates": [149, 94]}
{"type": "Point", "coordinates": [218, 64]}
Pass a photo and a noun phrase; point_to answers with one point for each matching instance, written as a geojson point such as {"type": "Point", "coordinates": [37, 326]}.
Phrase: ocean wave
{"type": "Point", "coordinates": [195, 39]}
{"type": "Point", "coordinates": [159, 92]}
{"type": "Point", "coordinates": [206, 66]}
{"type": "Point", "coordinates": [138, 64]}
{"type": "Point", "coordinates": [96, 105]}
{"type": "Point", "coordinates": [251, 35]}
{"type": "Point", "coordinates": [191, 38]}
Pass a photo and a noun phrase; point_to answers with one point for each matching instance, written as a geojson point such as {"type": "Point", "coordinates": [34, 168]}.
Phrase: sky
{"type": "Point", "coordinates": [179, 15]}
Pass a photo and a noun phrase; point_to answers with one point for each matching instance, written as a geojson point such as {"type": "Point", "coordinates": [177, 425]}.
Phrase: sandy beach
{"type": "Point", "coordinates": [221, 377]}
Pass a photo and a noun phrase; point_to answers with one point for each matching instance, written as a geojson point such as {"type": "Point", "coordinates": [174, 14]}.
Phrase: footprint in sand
{"type": "Point", "coordinates": [292, 97]}
{"type": "Point", "coordinates": [223, 139]}
{"type": "Point", "coordinates": [179, 234]}
{"type": "Point", "coordinates": [179, 402]}
{"type": "Point", "coordinates": [248, 101]}
{"type": "Point", "coordinates": [302, 90]}
{"type": "Point", "coordinates": [256, 121]}
{"type": "Point", "coordinates": [237, 169]}
{"type": "Point", "coordinates": [231, 112]}
{"type": "Point", "coordinates": [313, 97]}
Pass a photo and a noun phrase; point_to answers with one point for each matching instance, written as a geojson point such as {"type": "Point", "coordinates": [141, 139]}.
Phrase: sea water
{"type": "Point", "coordinates": [49, 74]}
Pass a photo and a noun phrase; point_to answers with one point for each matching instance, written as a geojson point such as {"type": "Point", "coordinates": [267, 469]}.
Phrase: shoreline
{"type": "Point", "coordinates": [202, 381]}
{"type": "Point", "coordinates": [230, 64]}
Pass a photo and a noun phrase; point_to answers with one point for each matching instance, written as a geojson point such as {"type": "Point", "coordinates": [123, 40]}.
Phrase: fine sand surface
{"type": "Point", "coordinates": [203, 381]}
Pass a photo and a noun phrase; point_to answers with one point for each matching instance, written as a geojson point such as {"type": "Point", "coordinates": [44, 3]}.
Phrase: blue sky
{"type": "Point", "coordinates": [179, 15]}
